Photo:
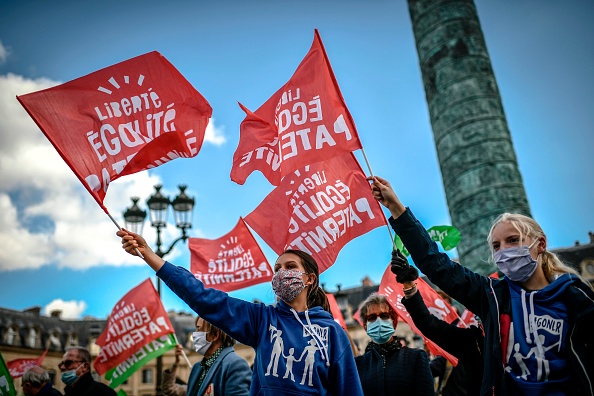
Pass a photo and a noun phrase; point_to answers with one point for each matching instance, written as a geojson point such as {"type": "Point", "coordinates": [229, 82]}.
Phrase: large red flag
{"type": "Point", "coordinates": [137, 319]}
{"type": "Point", "coordinates": [435, 303]}
{"type": "Point", "coordinates": [18, 367]}
{"type": "Point", "coordinates": [231, 262]}
{"type": "Point", "coordinates": [318, 209]}
{"type": "Point", "coordinates": [128, 117]}
{"type": "Point", "coordinates": [304, 122]}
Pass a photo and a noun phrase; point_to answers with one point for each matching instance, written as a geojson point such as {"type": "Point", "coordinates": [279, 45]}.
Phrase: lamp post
{"type": "Point", "coordinates": [158, 205]}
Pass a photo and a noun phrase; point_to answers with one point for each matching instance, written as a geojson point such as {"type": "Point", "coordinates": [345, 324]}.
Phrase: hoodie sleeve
{"type": "Point", "coordinates": [344, 374]}
{"type": "Point", "coordinates": [238, 318]}
{"type": "Point", "coordinates": [465, 286]}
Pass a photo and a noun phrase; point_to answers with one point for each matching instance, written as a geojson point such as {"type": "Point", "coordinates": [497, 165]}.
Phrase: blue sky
{"type": "Point", "coordinates": [59, 250]}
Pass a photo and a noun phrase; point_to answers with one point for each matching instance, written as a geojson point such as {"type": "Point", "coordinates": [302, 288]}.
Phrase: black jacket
{"type": "Point", "coordinates": [87, 386]}
{"type": "Point", "coordinates": [404, 371]}
{"type": "Point", "coordinates": [490, 299]}
{"type": "Point", "coordinates": [464, 343]}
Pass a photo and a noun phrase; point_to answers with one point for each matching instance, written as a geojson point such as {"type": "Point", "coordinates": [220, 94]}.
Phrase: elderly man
{"type": "Point", "coordinates": [76, 374]}
{"type": "Point", "coordinates": [36, 381]}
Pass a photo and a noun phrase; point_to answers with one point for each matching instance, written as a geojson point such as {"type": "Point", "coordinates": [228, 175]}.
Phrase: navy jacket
{"type": "Point", "coordinates": [490, 300]}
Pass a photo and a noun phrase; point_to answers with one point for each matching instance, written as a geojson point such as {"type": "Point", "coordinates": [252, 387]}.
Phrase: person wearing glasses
{"type": "Point", "coordinates": [387, 367]}
{"type": "Point", "coordinates": [76, 374]}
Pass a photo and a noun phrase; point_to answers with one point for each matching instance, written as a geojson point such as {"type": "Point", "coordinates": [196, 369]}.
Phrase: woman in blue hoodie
{"type": "Point", "coordinates": [300, 349]}
{"type": "Point", "coordinates": [538, 319]}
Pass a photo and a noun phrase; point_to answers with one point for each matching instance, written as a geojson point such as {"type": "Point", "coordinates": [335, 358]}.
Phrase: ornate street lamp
{"type": "Point", "coordinates": [158, 205]}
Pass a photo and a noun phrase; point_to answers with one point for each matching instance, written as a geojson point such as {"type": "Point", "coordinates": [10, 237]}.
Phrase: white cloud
{"type": "Point", "coordinates": [214, 134]}
{"type": "Point", "coordinates": [70, 309]}
{"type": "Point", "coordinates": [4, 52]}
{"type": "Point", "coordinates": [46, 215]}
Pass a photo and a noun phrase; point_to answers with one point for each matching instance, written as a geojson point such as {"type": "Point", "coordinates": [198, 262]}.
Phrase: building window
{"type": "Point", "coordinates": [72, 340]}
{"type": "Point", "coordinates": [32, 338]}
{"type": "Point", "coordinates": [147, 376]}
{"type": "Point", "coordinates": [11, 336]}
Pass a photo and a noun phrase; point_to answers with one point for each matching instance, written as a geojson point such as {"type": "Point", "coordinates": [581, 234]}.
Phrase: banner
{"type": "Point", "coordinates": [137, 319]}
{"type": "Point", "coordinates": [119, 374]}
{"type": "Point", "coordinates": [304, 122]}
{"type": "Point", "coordinates": [435, 304]}
{"type": "Point", "coordinates": [448, 236]}
{"type": "Point", "coordinates": [6, 384]}
{"type": "Point", "coordinates": [128, 117]}
{"type": "Point", "coordinates": [318, 209]}
{"type": "Point", "coordinates": [336, 312]}
{"type": "Point", "coordinates": [231, 262]}
{"type": "Point", "coordinates": [17, 367]}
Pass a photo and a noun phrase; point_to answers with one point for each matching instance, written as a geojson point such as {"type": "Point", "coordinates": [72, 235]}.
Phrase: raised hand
{"type": "Point", "coordinates": [401, 268]}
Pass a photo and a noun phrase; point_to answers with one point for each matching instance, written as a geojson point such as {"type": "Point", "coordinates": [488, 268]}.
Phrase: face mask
{"type": "Point", "coordinates": [516, 263]}
{"type": "Point", "coordinates": [287, 284]}
{"type": "Point", "coordinates": [380, 330]}
{"type": "Point", "coordinates": [69, 377]}
{"type": "Point", "coordinates": [200, 342]}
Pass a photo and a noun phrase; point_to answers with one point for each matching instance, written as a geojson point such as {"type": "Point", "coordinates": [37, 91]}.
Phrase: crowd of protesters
{"type": "Point", "coordinates": [534, 336]}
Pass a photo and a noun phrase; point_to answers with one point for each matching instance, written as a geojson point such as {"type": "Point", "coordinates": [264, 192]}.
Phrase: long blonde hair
{"type": "Point", "coordinates": [528, 227]}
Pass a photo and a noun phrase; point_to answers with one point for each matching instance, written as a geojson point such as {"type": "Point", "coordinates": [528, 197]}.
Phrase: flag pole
{"type": "Point", "coordinates": [387, 222]}
{"type": "Point", "coordinates": [183, 352]}
{"type": "Point", "coordinates": [119, 228]}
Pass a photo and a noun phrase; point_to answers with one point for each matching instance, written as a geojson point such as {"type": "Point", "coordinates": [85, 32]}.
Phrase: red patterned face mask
{"type": "Point", "coordinates": [287, 284]}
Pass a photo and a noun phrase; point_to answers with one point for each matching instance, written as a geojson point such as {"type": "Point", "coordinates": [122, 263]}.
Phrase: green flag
{"type": "Point", "coordinates": [121, 392]}
{"type": "Point", "coordinates": [152, 350]}
{"type": "Point", "coordinates": [6, 384]}
{"type": "Point", "coordinates": [448, 236]}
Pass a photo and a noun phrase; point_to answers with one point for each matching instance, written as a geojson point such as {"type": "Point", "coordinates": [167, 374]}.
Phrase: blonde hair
{"type": "Point", "coordinates": [528, 227]}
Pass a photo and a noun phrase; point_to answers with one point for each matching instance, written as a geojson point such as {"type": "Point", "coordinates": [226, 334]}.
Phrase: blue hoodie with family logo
{"type": "Point", "coordinates": [297, 353]}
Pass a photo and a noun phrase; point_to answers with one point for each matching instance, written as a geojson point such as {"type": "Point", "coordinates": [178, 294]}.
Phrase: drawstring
{"type": "Point", "coordinates": [533, 325]}
{"type": "Point", "coordinates": [322, 347]}
{"type": "Point", "coordinates": [526, 318]}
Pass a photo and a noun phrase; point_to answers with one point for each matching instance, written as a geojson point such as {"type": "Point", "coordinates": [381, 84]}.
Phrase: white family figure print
{"type": "Point", "coordinates": [318, 341]}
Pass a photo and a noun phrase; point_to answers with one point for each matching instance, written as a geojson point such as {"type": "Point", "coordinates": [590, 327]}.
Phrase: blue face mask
{"type": "Point", "coordinates": [380, 330]}
{"type": "Point", "coordinates": [516, 263]}
{"type": "Point", "coordinates": [69, 377]}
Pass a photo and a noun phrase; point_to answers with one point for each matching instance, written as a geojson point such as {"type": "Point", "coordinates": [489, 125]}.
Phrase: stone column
{"type": "Point", "coordinates": [476, 155]}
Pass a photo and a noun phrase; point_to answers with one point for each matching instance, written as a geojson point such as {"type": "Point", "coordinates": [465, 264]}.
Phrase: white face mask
{"type": "Point", "coordinates": [200, 342]}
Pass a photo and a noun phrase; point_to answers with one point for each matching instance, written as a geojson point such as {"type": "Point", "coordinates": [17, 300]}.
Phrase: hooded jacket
{"type": "Point", "coordinates": [297, 353]}
{"type": "Point", "coordinates": [491, 300]}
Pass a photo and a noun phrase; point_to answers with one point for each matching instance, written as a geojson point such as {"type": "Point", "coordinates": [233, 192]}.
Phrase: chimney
{"type": "Point", "coordinates": [34, 310]}
{"type": "Point", "coordinates": [56, 313]}
{"type": "Point", "coordinates": [367, 281]}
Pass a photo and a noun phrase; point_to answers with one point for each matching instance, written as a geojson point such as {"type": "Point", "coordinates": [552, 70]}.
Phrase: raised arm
{"type": "Point", "coordinates": [134, 243]}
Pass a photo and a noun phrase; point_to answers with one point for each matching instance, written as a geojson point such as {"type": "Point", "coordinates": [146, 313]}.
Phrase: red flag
{"type": "Point", "coordinates": [18, 367]}
{"type": "Point", "coordinates": [232, 262]}
{"type": "Point", "coordinates": [336, 312]}
{"type": "Point", "coordinates": [318, 210]}
{"type": "Point", "coordinates": [128, 117]}
{"type": "Point", "coordinates": [436, 305]}
{"type": "Point", "coordinates": [304, 122]}
{"type": "Point", "coordinates": [494, 275]}
{"type": "Point", "coordinates": [137, 319]}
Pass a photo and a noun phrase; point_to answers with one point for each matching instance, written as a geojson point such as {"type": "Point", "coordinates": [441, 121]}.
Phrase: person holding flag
{"type": "Point", "coordinates": [300, 349]}
{"type": "Point", "coordinates": [465, 343]}
{"type": "Point", "coordinates": [538, 319]}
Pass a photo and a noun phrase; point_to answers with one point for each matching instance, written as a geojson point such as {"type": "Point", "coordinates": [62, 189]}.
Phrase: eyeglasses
{"type": "Point", "coordinates": [382, 316]}
{"type": "Point", "coordinates": [68, 363]}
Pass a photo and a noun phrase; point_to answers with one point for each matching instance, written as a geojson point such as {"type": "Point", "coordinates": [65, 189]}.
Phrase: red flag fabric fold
{"type": "Point", "coordinates": [318, 209]}
{"type": "Point", "coordinates": [231, 262]}
{"type": "Point", "coordinates": [304, 122]}
{"type": "Point", "coordinates": [137, 319]}
{"type": "Point", "coordinates": [18, 367]}
{"type": "Point", "coordinates": [128, 117]}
